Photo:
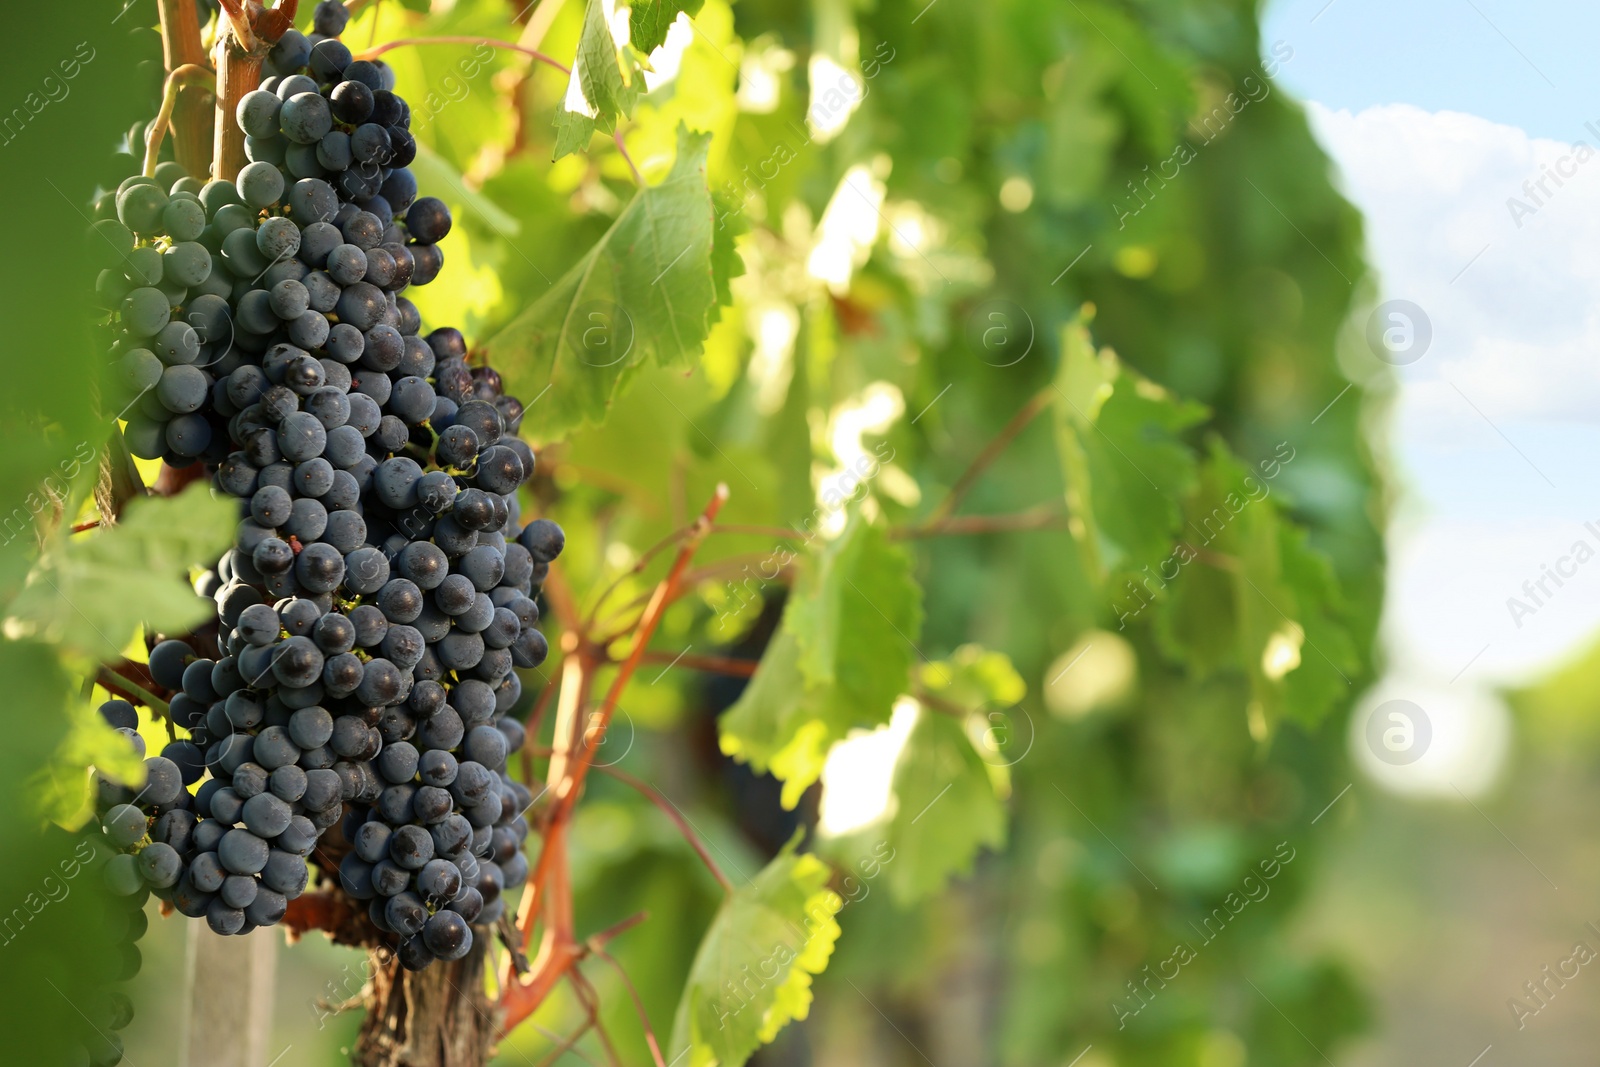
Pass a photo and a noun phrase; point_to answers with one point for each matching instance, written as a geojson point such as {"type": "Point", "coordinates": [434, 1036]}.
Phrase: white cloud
{"type": "Point", "coordinates": [1507, 399]}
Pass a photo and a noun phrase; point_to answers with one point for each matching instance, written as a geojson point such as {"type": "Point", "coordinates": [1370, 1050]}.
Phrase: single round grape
{"type": "Point", "coordinates": [139, 208]}
{"type": "Point", "coordinates": [543, 539]}
{"type": "Point", "coordinates": [411, 847]}
{"type": "Point", "coordinates": [145, 311]}
{"type": "Point", "coordinates": [273, 748]}
{"type": "Point", "coordinates": [361, 305]}
{"type": "Point", "coordinates": [168, 661]}
{"type": "Point", "coordinates": [447, 935]}
{"type": "Point", "coordinates": [428, 220]}
{"type": "Point", "coordinates": [260, 184]}
{"type": "Point", "coordinates": [370, 625]}
{"type": "Point", "coordinates": [257, 113]}
{"type": "Point", "coordinates": [366, 570]}
{"type": "Point", "coordinates": [242, 852]}
{"type": "Point", "coordinates": [120, 715]}
{"type": "Point", "coordinates": [125, 825]}
{"type": "Point", "coordinates": [305, 118]}
{"type": "Point", "coordinates": [329, 58]}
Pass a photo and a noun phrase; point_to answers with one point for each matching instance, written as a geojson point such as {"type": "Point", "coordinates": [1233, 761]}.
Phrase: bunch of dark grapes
{"type": "Point", "coordinates": [381, 588]}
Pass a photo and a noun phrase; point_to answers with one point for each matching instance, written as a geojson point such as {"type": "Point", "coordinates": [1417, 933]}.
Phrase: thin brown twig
{"type": "Point", "coordinates": [735, 668]}
{"type": "Point", "coordinates": [991, 452]}
{"type": "Point", "coordinates": [567, 1043]}
{"type": "Point", "coordinates": [591, 1002]}
{"type": "Point", "coordinates": [616, 136]}
{"type": "Point", "coordinates": [670, 810]}
{"type": "Point", "coordinates": [638, 1006]}
{"type": "Point", "coordinates": [638, 568]}
{"type": "Point", "coordinates": [599, 939]}
{"type": "Point", "coordinates": [690, 580]}
{"type": "Point", "coordinates": [1034, 519]}
{"type": "Point", "coordinates": [492, 42]}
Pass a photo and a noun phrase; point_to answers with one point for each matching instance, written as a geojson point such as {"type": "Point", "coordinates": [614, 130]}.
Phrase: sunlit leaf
{"type": "Point", "coordinates": [644, 292]}
{"type": "Point", "coordinates": [90, 592]}
{"type": "Point", "coordinates": [752, 974]}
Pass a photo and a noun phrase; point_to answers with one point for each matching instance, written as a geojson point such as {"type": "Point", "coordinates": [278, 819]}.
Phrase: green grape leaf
{"type": "Point", "coordinates": [752, 974]}
{"type": "Point", "coordinates": [1125, 464]}
{"type": "Point", "coordinates": [643, 292]}
{"type": "Point", "coordinates": [604, 84]}
{"type": "Point", "coordinates": [1252, 594]}
{"type": "Point", "coordinates": [726, 263]}
{"type": "Point", "coordinates": [91, 591]}
{"type": "Point", "coordinates": [947, 807]}
{"type": "Point", "coordinates": [841, 657]}
{"type": "Point", "coordinates": [649, 20]}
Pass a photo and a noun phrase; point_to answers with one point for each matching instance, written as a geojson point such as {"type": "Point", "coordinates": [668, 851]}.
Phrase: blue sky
{"type": "Point", "coordinates": [1530, 64]}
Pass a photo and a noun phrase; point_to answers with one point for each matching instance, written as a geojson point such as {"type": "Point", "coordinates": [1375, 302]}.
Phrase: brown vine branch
{"type": "Point", "coordinates": [190, 74]}
{"type": "Point", "coordinates": [670, 810]}
{"type": "Point", "coordinates": [653, 612]}
{"type": "Point", "coordinates": [549, 890]}
{"type": "Point", "coordinates": [191, 121]}
{"type": "Point", "coordinates": [1035, 519]}
{"type": "Point", "coordinates": [735, 668]}
{"type": "Point", "coordinates": [991, 452]}
{"type": "Point", "coordinates": [492, 42]}
{"type": "Point", "coordinates": [249, 32]}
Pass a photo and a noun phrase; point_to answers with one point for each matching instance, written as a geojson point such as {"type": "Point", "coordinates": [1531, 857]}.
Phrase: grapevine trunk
{"type": "Point", "coordinates": [438, 1017]}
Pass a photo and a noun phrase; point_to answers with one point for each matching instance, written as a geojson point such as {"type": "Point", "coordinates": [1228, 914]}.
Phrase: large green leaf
{"type": "Point", "coordinates": [1126, 468]}
{"type": "Point", "coordinates": [604, 84]}
{"type": "Point", "coordinates": [752, 974]}
{"type": "Point", "coordinates": [649, 20]}
{"type": "Point", "coordinates": [92, 590]}
{"type": "Point", "coordinates": [842, 655]}
{"type": "Point", "coordinates": [1252, 594]}
{"type": "Point", "coordinates": [644, 292]}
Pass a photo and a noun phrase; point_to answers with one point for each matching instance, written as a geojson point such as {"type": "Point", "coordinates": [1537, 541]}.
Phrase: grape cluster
{"type": "Point", "coordinates": [381, 587]}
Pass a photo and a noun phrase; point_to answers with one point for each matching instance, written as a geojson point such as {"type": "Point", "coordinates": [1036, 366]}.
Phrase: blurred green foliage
{"type": "Point", "coordinates": [1125, 640]}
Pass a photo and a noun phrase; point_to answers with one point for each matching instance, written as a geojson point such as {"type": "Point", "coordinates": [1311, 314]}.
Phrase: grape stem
{"type": "Point", "coordinates": [125, 687]}
{"type": "Point", "coordinates": [181, 77]}
{"type": "Point", "coordinates": [622, 149]}
{"type": "Point", "coordinates": [638, 1005]}
{"type": "Point", "coordinates": [991, 452]}
{"type": "Point", "coordinates": [492, 42]}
